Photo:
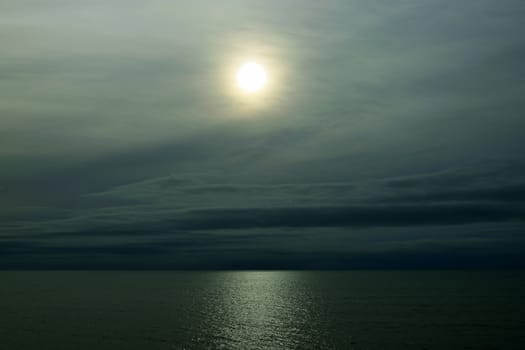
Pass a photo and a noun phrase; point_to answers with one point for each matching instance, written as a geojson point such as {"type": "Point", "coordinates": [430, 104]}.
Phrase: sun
{"type": "Point", "coordinates": [251, 77]}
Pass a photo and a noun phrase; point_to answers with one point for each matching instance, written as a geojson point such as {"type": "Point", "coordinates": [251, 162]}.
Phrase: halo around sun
{"type": "Point", "coordinates": [251, 77]}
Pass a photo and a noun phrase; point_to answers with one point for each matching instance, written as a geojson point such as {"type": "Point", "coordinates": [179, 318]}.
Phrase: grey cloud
{"type": "Point", "coordinates": [34, 249]}
{"type": "Point", "coordinates": [462, 254]}
{"type": "Point", "coordinates": [348, 216]}
{"type": "Point", "coordinates": [116, 121]}
{"type": "Point", "coordinates": [463, 195]}
{"type": "Point", "coordinates": [508, 193]}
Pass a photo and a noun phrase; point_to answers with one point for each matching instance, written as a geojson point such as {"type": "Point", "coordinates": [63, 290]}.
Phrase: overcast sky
{"type": "Point", "coordinates": [391, 134]}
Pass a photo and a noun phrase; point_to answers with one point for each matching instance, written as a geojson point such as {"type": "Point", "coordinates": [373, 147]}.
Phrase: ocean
{"type": "Point", "coordinates": [262, 310]}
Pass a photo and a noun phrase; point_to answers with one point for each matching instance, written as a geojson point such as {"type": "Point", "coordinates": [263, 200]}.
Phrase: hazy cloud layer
{"type": "Point", "coordinates": [390, 135]}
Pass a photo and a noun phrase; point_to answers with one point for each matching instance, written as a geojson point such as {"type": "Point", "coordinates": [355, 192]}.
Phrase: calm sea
{"type": "Point", "coordinates": [263, 310]}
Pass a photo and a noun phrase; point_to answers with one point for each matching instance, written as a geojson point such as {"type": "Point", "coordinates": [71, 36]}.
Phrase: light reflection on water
{"type": "Point", "coordinates": [372, 310]}
{"type": "Point", "coordinates": [262, 310]}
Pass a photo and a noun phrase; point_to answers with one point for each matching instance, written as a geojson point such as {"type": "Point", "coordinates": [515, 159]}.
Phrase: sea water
{"type": "Point", "coordinates": [263, 310]}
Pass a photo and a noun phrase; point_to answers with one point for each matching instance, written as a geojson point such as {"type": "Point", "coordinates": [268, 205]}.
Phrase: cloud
{"type": "Point", "coordinates": [22, 248]}
{"type": "Point", "coordinates": [353, 216]}
{"type": "Point", "coordinates": [195, 202]}
{"type": "Point", "coordinates": [163, 255]}
{"type": "Point", "coordinates": [509, 193]}
{"type": "Point", "coordinates": [382, 118]}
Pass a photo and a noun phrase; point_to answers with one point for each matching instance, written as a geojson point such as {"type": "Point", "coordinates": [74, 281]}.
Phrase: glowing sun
{"type": "Point", "coordinates": [251, 77]}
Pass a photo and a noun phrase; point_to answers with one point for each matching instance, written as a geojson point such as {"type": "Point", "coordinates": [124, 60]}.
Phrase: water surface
{"type": "Point", "coordinates": [263, 310]}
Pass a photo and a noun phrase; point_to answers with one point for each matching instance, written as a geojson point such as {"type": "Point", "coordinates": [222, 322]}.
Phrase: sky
{"type": "Point", "coordinates": [389, 135]}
